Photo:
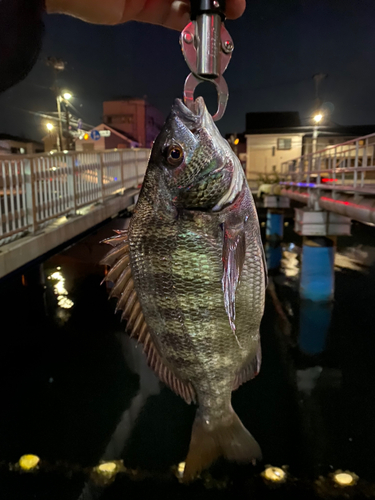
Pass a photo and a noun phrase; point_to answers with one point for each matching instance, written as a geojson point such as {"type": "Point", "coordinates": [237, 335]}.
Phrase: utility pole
{"type": "Point", "coordinates": [57, 65]}
{"type": "Point", "coordinates": [60, 131]}
{"type": "Point", "coordinates": [68, 136]}
{"type": "Point", "coordinates": [318, 78]}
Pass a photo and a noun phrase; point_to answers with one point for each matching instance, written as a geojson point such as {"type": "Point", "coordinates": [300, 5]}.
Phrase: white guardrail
{"type": "Point", "coordinates": [349, 166]}
{"type": "Point", "coordinates": [35, 189]}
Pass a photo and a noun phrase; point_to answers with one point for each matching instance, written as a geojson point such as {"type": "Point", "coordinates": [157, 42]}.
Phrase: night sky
{"type": "Point", "coordinates": [279, 46]}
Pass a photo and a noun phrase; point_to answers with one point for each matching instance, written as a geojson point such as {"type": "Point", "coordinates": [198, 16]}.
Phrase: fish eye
{"type": "Point", "coordinates": [175, 155]}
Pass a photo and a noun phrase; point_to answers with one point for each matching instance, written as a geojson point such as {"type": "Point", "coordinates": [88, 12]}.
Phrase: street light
{"type": "Point", "coordinates": [49, 126]}
{"type": "Point", "coordinates": [318, 118]}
{"type": "Point", "coordinates": [59, 98]}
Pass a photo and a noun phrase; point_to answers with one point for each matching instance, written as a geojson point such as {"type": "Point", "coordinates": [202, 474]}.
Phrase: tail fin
{"type": "Point", "coordinates": [229, 439]}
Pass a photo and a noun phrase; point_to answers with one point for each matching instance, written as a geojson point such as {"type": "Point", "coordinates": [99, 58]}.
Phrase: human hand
{"type": "Point", "coordinates": [170, 13]}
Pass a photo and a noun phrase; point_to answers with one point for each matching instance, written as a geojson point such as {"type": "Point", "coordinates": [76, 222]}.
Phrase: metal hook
{"type": "Point", "coordinates": [192, 82]}
{"type": "Point", "coordinates": [212, 63]}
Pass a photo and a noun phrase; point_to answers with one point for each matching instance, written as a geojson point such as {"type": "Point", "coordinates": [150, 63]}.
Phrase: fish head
{"type": "Point", "coordinates": [199, 168]}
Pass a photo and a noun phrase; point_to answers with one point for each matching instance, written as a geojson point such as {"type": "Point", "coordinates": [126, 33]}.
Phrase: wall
{"type": "Point", "coordinates": [135, 117]}
{"type": "Point", "coordinates": [128, 116]}
{"type": "Point", "coordinates": [324, 142]}
{"type": "Point", "coordinates": [50, 143]}
{"type": "Point", "coordinates": [114, 141]}
{"type": "Point", "coordinates": [90, 145]}
{"type": "Point", "coordinates": [263, 157]}
{"type": "Point", "coordinates": [29, 147]}
{"type": "Point", "coordinates": [154, 124]}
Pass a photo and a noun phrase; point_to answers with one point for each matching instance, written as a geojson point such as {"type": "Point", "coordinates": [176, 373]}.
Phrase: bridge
{"type": "Point", "coordinates": [337, 185]}
{"type": "Point", "coordinates": [339, 179]}
{"type": "Point", "coordinates": [48, 199]}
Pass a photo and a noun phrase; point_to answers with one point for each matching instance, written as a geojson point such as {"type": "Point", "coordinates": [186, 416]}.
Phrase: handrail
{"type": "Point", "coordinates": [37, 188]}
{"type": "Point", "coordinates": [350, 165]}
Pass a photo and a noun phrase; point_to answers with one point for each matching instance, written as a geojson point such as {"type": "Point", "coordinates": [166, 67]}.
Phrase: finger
{"type": "Point", "coordinates": [172, 14]}
{"type": "Point", "coordinates": [235, 8]}
{"type": "Point", "coordinates": [92, 11]}
{"type": "Point", "coordinates": [175, 14]}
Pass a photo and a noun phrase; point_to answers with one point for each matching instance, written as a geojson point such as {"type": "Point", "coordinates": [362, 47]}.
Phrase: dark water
{"type": "Point", "coordinates": [75, 390]}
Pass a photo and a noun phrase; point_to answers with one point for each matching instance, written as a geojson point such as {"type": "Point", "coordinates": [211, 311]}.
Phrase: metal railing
{"type": "Point", "coordinates": [349, 166]}
{"type": "Point", "coordinates": [35, 189]}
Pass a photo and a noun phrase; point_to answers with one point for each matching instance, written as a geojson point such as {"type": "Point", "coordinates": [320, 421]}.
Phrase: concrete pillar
{"type": "Point", "coordinates": [273, 256]}
{"type": "Point", "coordinates": [317, 272]}
{"type": "Point", "coordinates": [275, 225]}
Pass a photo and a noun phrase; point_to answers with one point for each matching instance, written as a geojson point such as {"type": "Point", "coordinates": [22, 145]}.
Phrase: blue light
{"type": "Point", "coordinates": [306, 184]}
{"type": "Point", "coordinates": [115, 178]}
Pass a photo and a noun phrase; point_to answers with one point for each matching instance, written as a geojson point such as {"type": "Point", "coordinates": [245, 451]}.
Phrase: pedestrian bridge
{"type": "Point", "coordinates": [340, 179]}
{"type": "Point", "coordinates": [48, 199]}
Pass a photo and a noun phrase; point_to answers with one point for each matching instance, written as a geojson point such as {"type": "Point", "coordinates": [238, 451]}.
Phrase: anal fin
{"type": "Point", "coordinates": [249, 370]}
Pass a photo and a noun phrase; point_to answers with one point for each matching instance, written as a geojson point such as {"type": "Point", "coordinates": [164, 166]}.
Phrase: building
{"type": "Point", "coordinates": [50, 142]}
{"type": "Point", "coordinates": [107, 138]}
{"type": "Point", "coordinates": [275, 137]}
{"type": "Point", "coordinates": [135, 117]}
{"type": "Point", "coordinates": [11, 144]}
{"type": "Point", "coordinates": [271, 139]}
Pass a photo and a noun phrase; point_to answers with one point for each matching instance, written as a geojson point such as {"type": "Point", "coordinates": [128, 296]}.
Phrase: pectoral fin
{"type": "Point", "coordinates": [234, 251]}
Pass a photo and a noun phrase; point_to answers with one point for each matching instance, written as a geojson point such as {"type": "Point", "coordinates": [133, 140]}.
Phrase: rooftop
{"type": "Point", "coordinates": [272, 120]}
{"type": "Point", "coordinates": [9, 137]}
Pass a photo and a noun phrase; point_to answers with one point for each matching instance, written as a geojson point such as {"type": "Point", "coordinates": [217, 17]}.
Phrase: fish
{"type": "Point", "coordinates": [190, 278]}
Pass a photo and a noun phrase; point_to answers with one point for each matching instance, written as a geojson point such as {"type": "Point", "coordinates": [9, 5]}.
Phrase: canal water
{"type": "Point", "coordinates": [76, 391]}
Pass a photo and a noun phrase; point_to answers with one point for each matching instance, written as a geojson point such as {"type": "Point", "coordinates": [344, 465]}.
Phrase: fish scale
{"type": "Point", "coordinates": [199, 276]}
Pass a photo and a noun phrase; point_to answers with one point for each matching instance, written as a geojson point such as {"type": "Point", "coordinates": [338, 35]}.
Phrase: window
{"type": "Point", "coordinates": [119, 119]}
{"type": "Point", "coordinates": [284, 143]}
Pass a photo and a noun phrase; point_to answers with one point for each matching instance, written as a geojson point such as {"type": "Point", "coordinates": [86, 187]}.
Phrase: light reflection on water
{"type": "Point", "coordinates": [356, 258]}
{"type": "Point", "coordinates": [100, 372]}
{"type": "Point", "coordinates": [290, 264]}
{"type": "Point", "coordinates": [60, 291]}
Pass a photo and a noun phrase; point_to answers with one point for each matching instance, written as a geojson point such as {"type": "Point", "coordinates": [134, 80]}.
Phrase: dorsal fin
{"type": "Point", "coordinates": [123, 289]}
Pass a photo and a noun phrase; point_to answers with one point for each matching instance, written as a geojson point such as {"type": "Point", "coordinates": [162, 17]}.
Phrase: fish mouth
{"type": "Point", "coordinates": [192, 119]}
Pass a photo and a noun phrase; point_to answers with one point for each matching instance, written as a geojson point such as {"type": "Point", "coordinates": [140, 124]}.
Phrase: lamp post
{"type": "Point", "coordinates": [59, 99]}
{"type": "Point", "coordinates": [317, 119]}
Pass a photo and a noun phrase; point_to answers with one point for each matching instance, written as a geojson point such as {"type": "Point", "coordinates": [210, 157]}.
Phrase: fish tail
{"type": "Point", "coordinates": [229, 439]}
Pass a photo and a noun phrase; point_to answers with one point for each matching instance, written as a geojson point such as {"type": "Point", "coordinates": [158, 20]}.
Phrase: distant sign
{"type": "Point", "coordinates": [95, 135]}
{"type": "Point", "coordinates": [78, 134]}
{"type": "Point", "coordinates": [104, 133]}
